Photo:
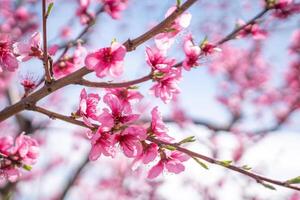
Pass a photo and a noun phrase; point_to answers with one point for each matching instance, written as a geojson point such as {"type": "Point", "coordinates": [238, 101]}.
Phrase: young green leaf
{"type": "Point", "coordinates": [246, 167]}
{"type": "Point", "coordinates": [269, 186]}
{"type": "Point", "coordinates": [50, 6]}
{"type": "Point", "coordinates": [293, 181]}
{"type": "Point", "coordinates": [225, 163]}
{"type": "Point", "coordinates": [200, 163]}
{"type": "Point", "coordinates": [27, 167]}
{"type": "Point", "coordinates": [187, 140]}
{"type": "Point", "coordinates": [169, 147]}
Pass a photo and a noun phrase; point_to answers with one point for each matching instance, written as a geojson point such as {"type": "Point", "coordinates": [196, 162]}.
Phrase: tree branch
{"type": "Point", "coordinates": [161, 27]}
{"type": "Point", "coordinates": [114, 85]}
{"type": "Point", "coordinates": [235, 31]}
{"type": "Point", "coordinates": [260, 179]}
{"type": "Point", "coordinates": [74, 178]}
{"type": "Point", "coordinates": [48, 77]}
{"type": "Point", "coordinates": [77, 75]}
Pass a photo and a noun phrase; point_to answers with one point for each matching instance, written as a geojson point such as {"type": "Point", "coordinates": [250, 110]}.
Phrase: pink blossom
{"type": "Point", "coordinates": [173, 164]}
{"type": "Point", "coordinates": [295, 46]}
{"type": "Point", "coordinates": [158, 128]}
{"type": "Point", "coordinates": [115, 7]}
{"type": "Point", "coordinates": [102, 143]}
{"type": "Point", "coordinates": [7, 59]}
{"type": "Point", "coordinates": [117, 115]}
{"type": "Point", "coordinates": [252, 29]}
{"type": "Point", "coordinates": [166, 86]}
{"type": "Point", "coordinates": [66, 32]}
{"type": "Point", "coordinates": [208, 48]}
{"type": "Point", "coordinates": [107, 61]}
{"type": "Point", "coordinates": [26, 149]}
{"type": "Point", "coordinates": [126, 96]}
{"type": "Point", "coordinates": [192, 53]}
{"type": "Point", "coordinates": [85, 16]}
{"type": "Point", "coordinates": [158, 61]}
{"type": "Point", "coordinates": [166, 76]}
{"type": "Point", "coordinates": [32, 48]}
{"type": "Point", "coordinates": [150, 152]}
{"type": "Point", "coordinates": [130, 140]}
{"type": "Point", "coordinates": [164, 40]}
{"type": "Point", "coordinates": [29, 83]}
{"type": "Point", "coordinates": [88, 106]}
{"type": "Point", "coordinates": [286, 8]}
{"type": "Point", "coordinates": [69, 64]}
{"type": "Point", "coordinates": [6, 143]}
{"type": "Point", "coordinates": [24, 152]}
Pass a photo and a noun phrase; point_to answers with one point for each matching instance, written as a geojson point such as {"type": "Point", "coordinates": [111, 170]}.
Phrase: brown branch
{"type": "Point", "coordinates": [260, 179]}
{"type": "Point", "coordinates": [114, 85]}
{"type": "Point", "coordinates": [48, 77]}
{"type": "Point", "coordinates": [41, 93]}
{"type": "Point", "coordinates": [234, 32]}
{"type": "Point", "coordinates": [77, 75]}
{"type": "Point", "coordinates": [54, 115]}
{"type": "Point", "coordinates": [161, 27]}
{"type": "Point", "coordinates": [74, 178]}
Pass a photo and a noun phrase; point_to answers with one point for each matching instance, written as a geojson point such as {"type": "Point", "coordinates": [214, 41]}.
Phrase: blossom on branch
{"type": "Point", "coordinates": [107, 61]}
{"type": "Point", "coordinates": [117, 114]}
{"type": "Point", "coordinates": [19, 154]}
{"type": "Point", "coordinates": [157, 128]}
{"type": "Point", "coordinates": [102, 143]}
{"type": "Point", "coordinates": [8, 61]}
{"type": "Point", "coordinates": [164, 40]}
{"type": "Point", "coordinates": [88, 107]}
{"type": "Point", "coordinates": [130, 140]}
{"type": "Point", "coordinates": [115, 7]}
{"type": "Point", "coordinates": [26, 51]}
{"type": "Point", "coordinates": [192, 53]}
{"type": "Point", "coordinates": [172, 163]}
{"type": "Point", "coordinates": [252, 29]}
{"type": "Point", "coordinates": [126, 96]}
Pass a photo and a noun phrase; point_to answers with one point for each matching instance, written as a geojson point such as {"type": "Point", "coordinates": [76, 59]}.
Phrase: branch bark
{"type": "Point", "coordinates": [48, 77]}
{"type": "Point", "coordinates": [259, 178]}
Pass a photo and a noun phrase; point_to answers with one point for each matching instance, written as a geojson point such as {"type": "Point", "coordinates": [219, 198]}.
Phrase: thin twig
{"type": "Point", "coordinates": [74, 77]}
{"type": "Point", "coordinates": [48, 77]}
{"type": "Point", "coordinates": [74, 178]}
{"type": "Point", "coordinates": [259, 178]}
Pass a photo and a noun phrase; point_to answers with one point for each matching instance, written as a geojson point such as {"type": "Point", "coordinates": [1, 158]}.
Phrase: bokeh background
{"type": "Point", "coordinates": [65, 146]}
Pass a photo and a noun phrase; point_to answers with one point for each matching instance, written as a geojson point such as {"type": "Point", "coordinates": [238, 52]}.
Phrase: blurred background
{"type": "Point", "coordinates": [238, 103]}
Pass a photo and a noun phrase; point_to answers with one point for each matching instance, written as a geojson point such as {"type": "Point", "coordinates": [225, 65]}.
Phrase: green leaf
{"type": "Point", "coordinates": [225, 163]}
{"type": "Point", "coordinates": [293, 180]}
{"type": "Point", "coordinates": [133, 87]}
{"type": "Point", "coordinates": [114, 40]}
{"type": "Point", "coordinates": [200, 163]}
{"type": "Point", "coordinates": [169, 147]}
{"type": "Point", "coordinates": [178, 3]}
{"type": "Point", "coordinates": [246, 167]}
{"type": "Point", "coordinates": [158, 75]}
{"type": "Point", "coordinates": [169, 30]}
{"type": "Point", "coordinates": [269, 186]}
{"type": "Point", "coordinates": [27, 167]}
{"type": "Point", "coordinates": [204, 42]}
{"type": "Point", "coordinates": [50, 6]}
{"type": "Point", "coordinates": [187, 140]}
